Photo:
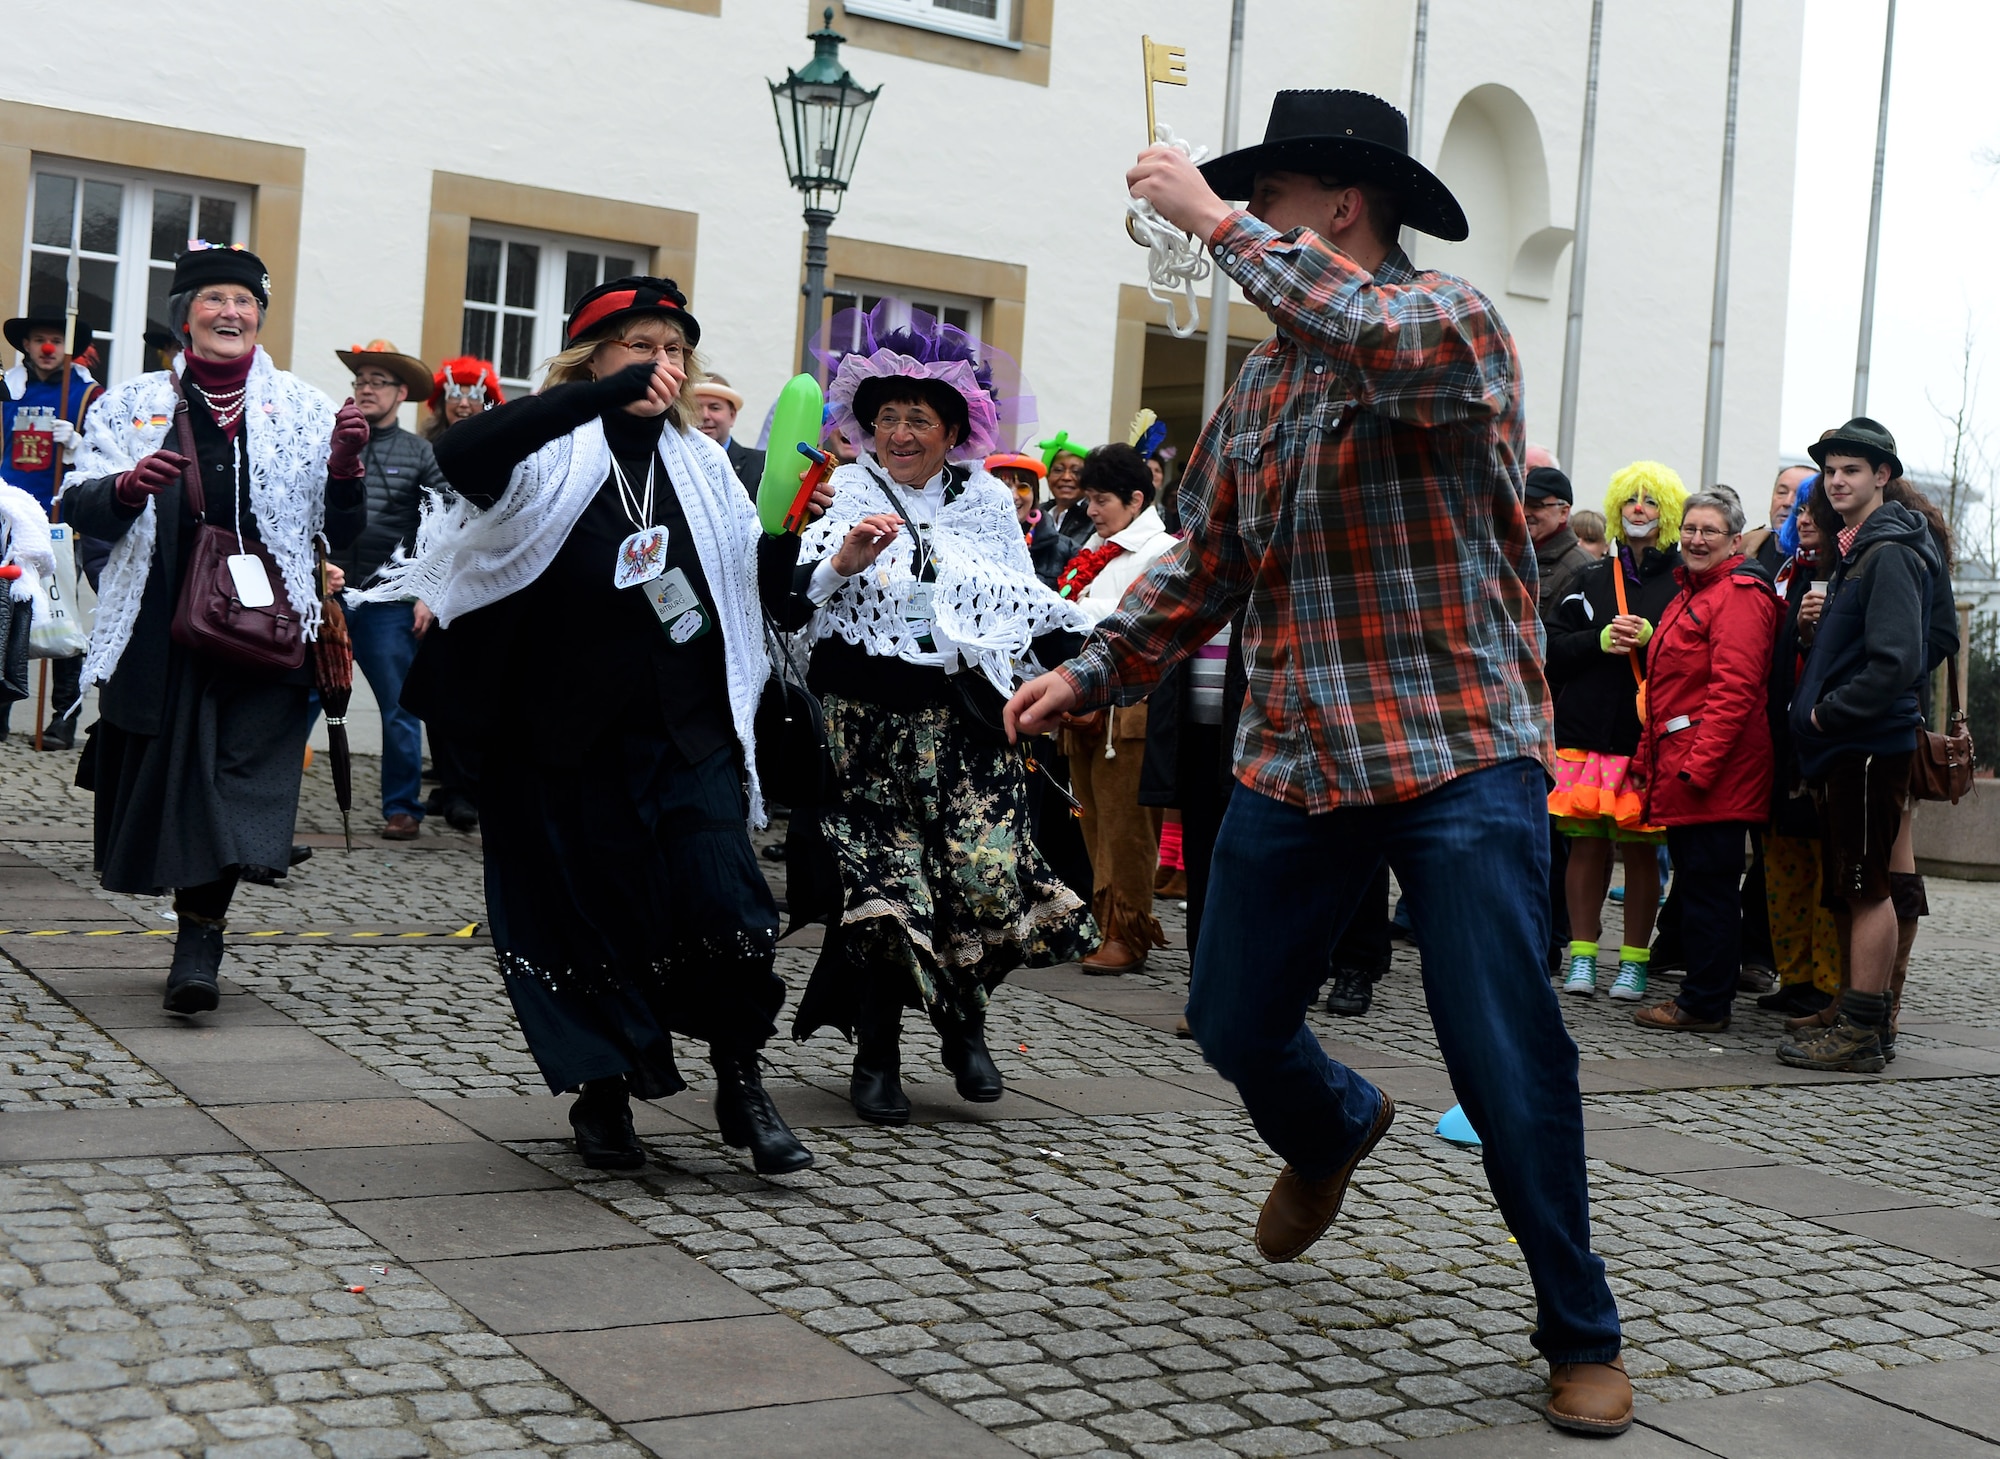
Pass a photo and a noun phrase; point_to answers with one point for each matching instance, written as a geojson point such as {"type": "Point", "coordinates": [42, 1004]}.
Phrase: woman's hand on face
{"type": "Point", "coordinates": [865, 542]}
{"type": "Point", "coordinates": [662, 390]}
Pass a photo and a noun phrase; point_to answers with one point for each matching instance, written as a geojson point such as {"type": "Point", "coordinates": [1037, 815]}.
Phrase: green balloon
{"type": "Point", "coordinates": [796, 420]}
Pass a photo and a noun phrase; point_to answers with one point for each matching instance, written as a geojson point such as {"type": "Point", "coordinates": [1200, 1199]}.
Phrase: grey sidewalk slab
{"type": "Point", "coordinates": [142, 1010]}
{"type": "Point", "coordinates": [255, 1065]}
{"type": "Point", "coordinates": [132, 981]}
{"type": "Point", "coordinates": [1798, 1191]}
{"type": "Point", "coordinates": [1133, 1094]}
{"type": "Point", "coordinates": [1537, 1440]}
{"type": "Point", "coordinates": [1953, 1236]}
{"type": "Point", "coordinates": [102, 1134]}
{"type": "Point", "coordinates": [1961, 1395]}
{"type": "Point", "coordinates": [1652, 1151]}
{"type": "Point", "coordinates": [48, 954]}
{"type": "Point", "coordinates": [1416, 1086]}
{"type": "Point", "coordinates": [524, 1117]}
{"type": "Point", "coordinates": [673, 1369]}
{"type": "Point", "coordinates": [1700, 1071]}
{"type": "Point", "coordinates": [507, 1223]}
{"type": "Point", "coordinates": [887, 1426]}
{"type": "Point", "coordinates": [1816, 1421]}
{"type": "Point", "coordinates": [576, 1291]}
{"type": "Point", "coordinates": [1957, 1033]}
{"type": "Point", "coordinates": [1970, 1060]}
{"type": "Point", "coordinates": [333, 1124]}
{"type": "Point", "coordinates": [376, 1173]}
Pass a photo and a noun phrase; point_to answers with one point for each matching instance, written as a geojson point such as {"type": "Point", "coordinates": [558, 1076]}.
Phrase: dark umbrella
{"type": "Point", "coordinates": [333, 671]}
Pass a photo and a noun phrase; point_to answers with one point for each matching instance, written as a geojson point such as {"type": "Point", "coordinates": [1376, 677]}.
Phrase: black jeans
{"type": "Point", "coordinates": [1708, 876]}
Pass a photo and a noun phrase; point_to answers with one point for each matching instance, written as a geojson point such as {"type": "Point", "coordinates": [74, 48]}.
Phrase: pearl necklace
{"type": "Point", "coordinates": [225, 405]}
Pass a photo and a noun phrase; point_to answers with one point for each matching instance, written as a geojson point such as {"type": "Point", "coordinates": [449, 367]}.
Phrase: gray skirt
{"type": "Point", "coordinates": [216, 791]}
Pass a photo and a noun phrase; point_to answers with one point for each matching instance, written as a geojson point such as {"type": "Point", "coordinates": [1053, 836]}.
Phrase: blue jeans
{"type": "Point", "coordinates": [384, 648]}
{"type": "Point", "coordinates": [1473, 858]}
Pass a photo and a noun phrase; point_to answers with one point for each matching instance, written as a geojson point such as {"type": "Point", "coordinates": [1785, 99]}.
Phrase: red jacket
{"type": "Point", "coordinates": [1706, 754]}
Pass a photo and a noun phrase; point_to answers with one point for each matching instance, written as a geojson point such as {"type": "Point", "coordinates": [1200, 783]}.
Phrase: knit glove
{"type": "Point", "coordinates": [153, 475]}
{"type": "Point", "coordinates": [628, 385]}
{"type": "Point", "coordinates": [350, 434]}
{"type": "Point", "coordinates": [1604, 638]}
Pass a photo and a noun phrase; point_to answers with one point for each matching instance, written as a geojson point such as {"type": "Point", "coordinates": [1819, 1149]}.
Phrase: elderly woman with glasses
{"type": "Point", "coordinates": [195, 762]}
{"type": "Point", "coordinates": [925, 610]}
{"type": "Point", "coordinates": [1706, 754]}
{"type": "Point", "coordinates": [602, 546]}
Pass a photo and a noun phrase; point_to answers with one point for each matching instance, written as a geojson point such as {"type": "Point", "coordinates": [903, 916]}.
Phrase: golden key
{"type": "Point", "coordinates": [1166, 66]}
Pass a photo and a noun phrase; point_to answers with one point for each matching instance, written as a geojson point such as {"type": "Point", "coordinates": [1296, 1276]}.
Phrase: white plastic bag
{"type": "Point", "coordinates": [58, 631]}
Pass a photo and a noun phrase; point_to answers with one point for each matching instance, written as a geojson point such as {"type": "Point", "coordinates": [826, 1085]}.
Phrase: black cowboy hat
{"type": "Point", "coordinates": [1869, 439]}
{"type": "Point", "coordinates": [1351, 137]}
{"type": "Point", "coordinates": [16, 330]}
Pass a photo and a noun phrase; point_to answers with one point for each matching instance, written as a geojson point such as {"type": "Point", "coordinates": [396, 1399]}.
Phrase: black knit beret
{"type": "Point", "coordinates": [199, 267]}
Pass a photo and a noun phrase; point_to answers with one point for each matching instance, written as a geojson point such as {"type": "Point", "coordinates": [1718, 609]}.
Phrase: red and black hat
{"type": "Point", "coordinates": [633, 295]}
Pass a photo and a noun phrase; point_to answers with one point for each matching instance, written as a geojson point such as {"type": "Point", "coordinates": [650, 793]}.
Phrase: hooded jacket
{"type": "Point", "coordinates": [1862, 673]}
{"type": "Point", "coordinates": [1596, 695]}
{"type": "Point", "coordinates": [1707, 751]}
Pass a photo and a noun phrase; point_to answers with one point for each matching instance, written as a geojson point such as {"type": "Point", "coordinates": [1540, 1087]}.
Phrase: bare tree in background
{"type": "Point", "coordinates": [1967, 499]}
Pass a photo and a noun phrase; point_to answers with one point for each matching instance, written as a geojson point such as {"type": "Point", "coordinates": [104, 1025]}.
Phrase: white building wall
{"type": "Point", "coordinates": [654, 105]}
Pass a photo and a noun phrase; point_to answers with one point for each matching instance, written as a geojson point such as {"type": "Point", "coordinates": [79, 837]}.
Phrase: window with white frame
{"type": "Point", "coordinates": [980, 20]}
{"type": "Point", "coordinates": [519, 287]}
{"type": "Point", "coordinates": [115, 234]}
{"type": "Point", "coordinates": [956, 309]}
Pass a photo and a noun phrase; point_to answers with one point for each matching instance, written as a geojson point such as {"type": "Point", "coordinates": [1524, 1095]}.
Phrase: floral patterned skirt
{"type": "Point", "coordinates": [943, 892]}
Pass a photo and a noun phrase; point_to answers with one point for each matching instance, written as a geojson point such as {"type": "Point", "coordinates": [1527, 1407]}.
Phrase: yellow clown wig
{"type": "Point", "coordinates": [1662, 487]}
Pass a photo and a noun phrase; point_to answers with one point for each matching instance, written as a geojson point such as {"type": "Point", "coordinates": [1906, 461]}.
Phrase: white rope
{"type": "Point", "coordinates": [1174, 260]}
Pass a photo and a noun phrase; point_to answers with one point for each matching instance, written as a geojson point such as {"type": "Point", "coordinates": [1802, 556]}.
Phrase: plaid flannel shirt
{"type": "Point", "coordinates": [1360, 491]}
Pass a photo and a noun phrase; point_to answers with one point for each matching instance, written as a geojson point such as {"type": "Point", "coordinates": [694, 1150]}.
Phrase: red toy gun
{"type": "Point", "coordinates": [816, 475]}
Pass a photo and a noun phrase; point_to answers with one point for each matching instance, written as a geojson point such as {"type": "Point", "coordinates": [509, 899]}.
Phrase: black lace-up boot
{"type": "Point", "coordinates": [602, 1120]}
{"type": "Point", "coordinates": [749, 1121]}
{"type": "Point", "coordinates": [192, 981]}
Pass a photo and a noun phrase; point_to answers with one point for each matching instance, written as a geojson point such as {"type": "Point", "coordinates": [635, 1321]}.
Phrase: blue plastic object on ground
{"type": "Point", "coordinates": [1456, 1128]}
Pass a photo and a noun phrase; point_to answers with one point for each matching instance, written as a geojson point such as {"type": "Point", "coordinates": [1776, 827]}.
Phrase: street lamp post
{"type": "Point", "coordinates": [822, 113]}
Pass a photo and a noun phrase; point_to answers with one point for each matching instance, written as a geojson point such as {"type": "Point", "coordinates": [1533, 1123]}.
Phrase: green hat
{"type": "Point", "coordinates": [1862, 437]}
{"type": "Point", "coordinates": [1057, 445]}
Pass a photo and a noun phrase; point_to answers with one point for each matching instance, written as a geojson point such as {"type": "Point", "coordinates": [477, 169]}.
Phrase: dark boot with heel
{"type": "Point", "coordinates": [749, 1121]}
{"type": "Point", "coordinates": [193, 980]}
{"type": "Point", "coordinates": [877, 1087]}
{"type": "Point", "coordinates": [972, 1068]}
{"type": "Point", "coordinates": [601, 1116]}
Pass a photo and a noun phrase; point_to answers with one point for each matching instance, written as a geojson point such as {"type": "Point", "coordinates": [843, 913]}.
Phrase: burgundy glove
{"type": "Point", "coordinates": [350, 434]}
{"type": "Point", "coordinates": [153, 475]}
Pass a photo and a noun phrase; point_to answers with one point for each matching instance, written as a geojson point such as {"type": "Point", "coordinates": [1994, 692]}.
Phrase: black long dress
{"type": "Point", "coordinates": [624, 896]}
{"type": "Point", "coordinates": [195, 765]}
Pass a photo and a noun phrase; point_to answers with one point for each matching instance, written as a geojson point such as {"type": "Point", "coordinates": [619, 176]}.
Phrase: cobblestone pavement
{"type": "Point", "coordinates": [1076, 1285]}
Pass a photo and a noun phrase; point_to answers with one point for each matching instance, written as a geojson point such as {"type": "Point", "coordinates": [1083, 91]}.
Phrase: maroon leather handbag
{"type": "Point", "coordinates": [210, 617]}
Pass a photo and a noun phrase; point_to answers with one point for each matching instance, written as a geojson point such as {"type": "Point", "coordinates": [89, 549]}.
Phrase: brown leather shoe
{"type": "Point", "coordinates": [1181, 1029]}
{"type": "Point", "coordinates": [1298, 1211]}
{"type": "Point", "coordinates": [1590, 1398]}
{"type": "Point", "coordinates": [1171, 888]}
{"type": "Point", "coordinates": [1114, 957]}
{"type": "Point", "coordinates": [1825, 1018]}
{"type": "Point", "coordinates": [1670, 1017]}
{"type": "Point", "coordinates": [400, 827]}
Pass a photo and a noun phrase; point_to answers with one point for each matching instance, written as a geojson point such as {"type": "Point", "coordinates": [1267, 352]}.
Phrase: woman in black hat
{"type": "Point", "coordinates": [196, 764]}
{"type": "Point", "coordinates": [603, 540]}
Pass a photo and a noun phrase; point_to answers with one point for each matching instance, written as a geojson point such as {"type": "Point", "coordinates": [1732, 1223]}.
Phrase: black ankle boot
{"type": "Point", "coordinates": [965, 1055]}
{"type": "Point", "coordinates": [877, 1088]}
{"type": "Point", "coordinates": [602, 1120]}
{"type": "Point", "coordinates": [192, 985]}
{"type": "Point", "coordinates": [749, 1121]}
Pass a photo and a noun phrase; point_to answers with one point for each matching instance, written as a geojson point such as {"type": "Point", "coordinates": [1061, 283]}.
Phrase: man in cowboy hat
{"type": "Point", "coordinates": [719, 404]}
{"type": "Point", "coordinates": [1359, 496]}
{"type": "Point", "coordinates": [1855, 716]}
{"type": "Point", "coordinates": [400, 469]}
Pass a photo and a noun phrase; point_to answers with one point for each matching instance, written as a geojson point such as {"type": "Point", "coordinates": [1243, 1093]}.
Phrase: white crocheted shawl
{"type": "Point", "coordinates": [24, 539]}
{"type": "Point", "coordinates": [287, 430]}
{"type": "Point", "coordinates": [989, 605]}
{"type": "Point", "coordinates": [466, 559]}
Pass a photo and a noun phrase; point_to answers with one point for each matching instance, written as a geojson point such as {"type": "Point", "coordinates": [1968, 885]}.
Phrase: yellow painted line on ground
{"type": "Point", "coordinates": [465, 932]}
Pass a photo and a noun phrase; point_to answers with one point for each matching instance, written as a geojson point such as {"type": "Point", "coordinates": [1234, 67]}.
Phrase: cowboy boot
{"type": "Point", "coordinates": [747, 1118]}
{"type": "Point", "coordinates": [877, 1087]}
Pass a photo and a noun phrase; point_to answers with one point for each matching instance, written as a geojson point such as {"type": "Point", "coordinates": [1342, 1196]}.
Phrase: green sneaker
{"type": "Point", "coordinates": [1847, 1046]}
{"type": "Point", "coordinates": [1582, 979]}
{"type": "Point", "coordinates": [1631, 984]}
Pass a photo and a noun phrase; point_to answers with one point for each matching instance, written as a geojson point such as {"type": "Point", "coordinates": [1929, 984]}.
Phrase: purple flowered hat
{"type": "Point", "coordinates": [862, 352]}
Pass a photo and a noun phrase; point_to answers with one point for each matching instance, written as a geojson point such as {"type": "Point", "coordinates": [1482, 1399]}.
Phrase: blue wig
{"type": "Point", "coordinates": [1788, 534]}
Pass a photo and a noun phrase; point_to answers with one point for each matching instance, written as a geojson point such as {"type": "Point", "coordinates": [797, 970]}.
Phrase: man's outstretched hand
{"type": "Point", "coordinates": [1038, 705]}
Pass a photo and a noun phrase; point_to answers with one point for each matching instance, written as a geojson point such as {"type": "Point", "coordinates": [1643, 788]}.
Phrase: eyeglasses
{"type": "Point", "coordinates": [645, 349]}
{"type": "Point", "coordinates": [916, 425]}
{"type": "Point", "coordinates": [1705, 533]}
{"type": "Point", "coordinates": [211, 300]}
{"type": "Point", "coordinates": [375, 382]}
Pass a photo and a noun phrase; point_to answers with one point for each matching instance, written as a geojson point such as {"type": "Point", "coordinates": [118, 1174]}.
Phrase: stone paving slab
{"type": "Point", "coordinates": [435, 1228]}
{"type": "Point", "coordinates": [540, 1116]}
{"type": "Point", "coordinates": [384, 1173]}
{"type": "Point", "coordinates": [1964, 1395]}
{"type": "Point", "coordinates": [1799, 1192]}
{"type": "Point", "coordinates": [1662, 1152]}
{"type": "Point", "coordinates": [1811, 1422]}
{"type": "Point", "coordinates": [330, 1124]}
{"type": "Point", "coordinates": [1954, 1236]}
{"type": "Point", "coordinates": [570, 1291]}
{"type": "Point", "coordinates": [891, 1426]}
{"type": "Point", "coordinates": [1117, 1096]}
{"type": "Point", "coordinates": [118, 1011]}
{"type": "Point", "coordinates": [255, 1065]}
{"type": "Point", "coordinates": [1956, 1033]}
{"type": "Point", "coordinates": [92, 1134]}
{"type": "Point", "coordinates": [1537, 1441]}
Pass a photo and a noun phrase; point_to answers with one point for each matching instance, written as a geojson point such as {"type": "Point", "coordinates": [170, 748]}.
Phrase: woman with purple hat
{"type": "Point", "coordinates": [925, 612]}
